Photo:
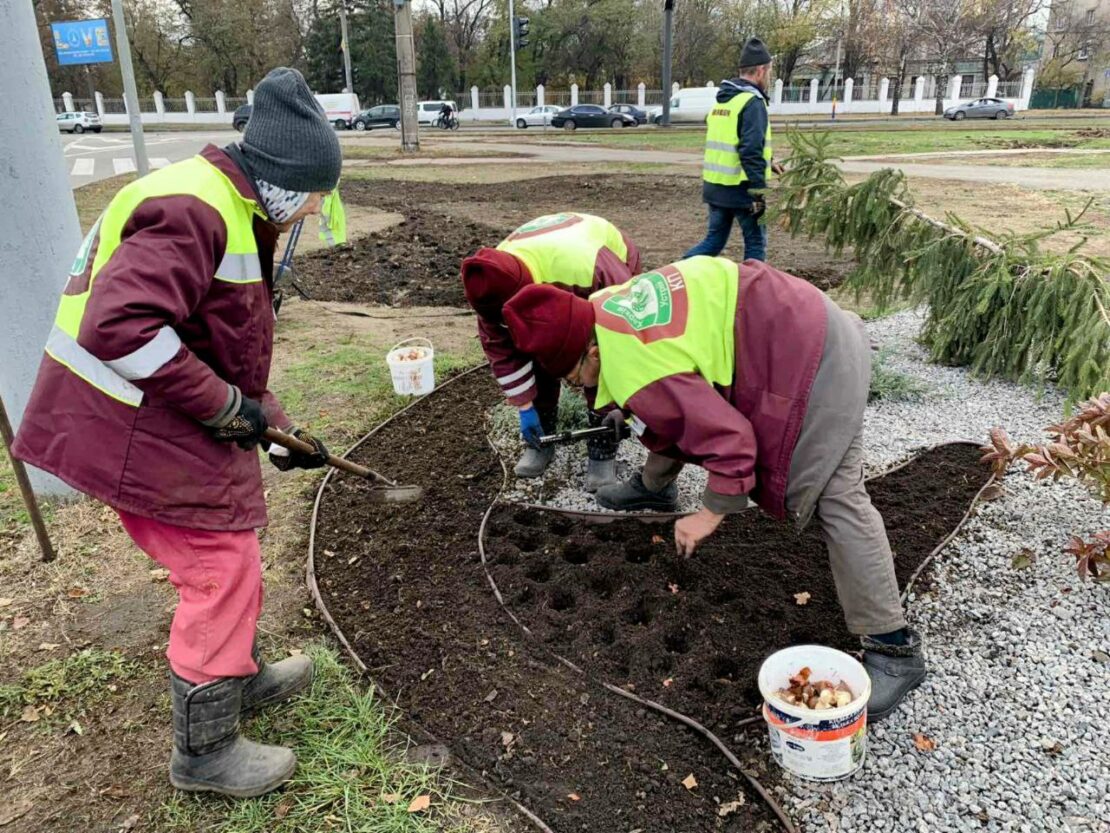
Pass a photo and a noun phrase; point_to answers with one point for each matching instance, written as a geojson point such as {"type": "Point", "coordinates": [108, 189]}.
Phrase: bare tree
{"type": "Point", "coordinates": [466, 22]}
{"type": "Point", "coordinates": [950, 28]}
{"type": "Point", "coordinates": [1008, 35]}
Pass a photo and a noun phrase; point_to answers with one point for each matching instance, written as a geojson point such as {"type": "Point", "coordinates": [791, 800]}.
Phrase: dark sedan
{"type": "Point", "coordinates": [590, 115]}
{"type": "Point", "coordinates": [384, 115]}
{"type": "Point", "coordinates": [629, 110]}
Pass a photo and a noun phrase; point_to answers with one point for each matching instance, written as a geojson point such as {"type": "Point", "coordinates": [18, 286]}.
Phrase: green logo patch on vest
{"type": "Point", "coordinates": [646, 302]}
{"type": "Point", "coordinates": [545, 224]}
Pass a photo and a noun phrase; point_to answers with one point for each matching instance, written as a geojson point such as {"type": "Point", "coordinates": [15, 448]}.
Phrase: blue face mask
{"type": "Point", "coordinates": [279, 203]}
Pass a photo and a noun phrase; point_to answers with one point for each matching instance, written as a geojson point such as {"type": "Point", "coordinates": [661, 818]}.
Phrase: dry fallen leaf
{"type": "Point", "coordinates": [159, 574]}
{"type": "Point", "coordinates": [75, 728]}
{"type": "Point", "coordinates": [668, 682]}
{"type": "Point", "coordinates": [76, 592]}
{"type": "Point", "coordinates": [690, 782]}
{"type": "Point", "coordinates": [574, 796]}
{"type": "Point", "coordinates": [507, 739]}
{"type": "Point", "coordinates": [391, 798]}
{"type": "Point", "coordinates": [802, 598]}
{"type": "Point", "coordinates": [673, 588]}
{"type": "Point", "coordinates": [731, 807]}
{"type": "Point", "coordinates": [20, 622]}
{"type": "Point", "coordinates": [282, 810]}
{"type": "Point", "coordinates": [992, 492]}
{"type": "Point", "coordinates": [130, 822]}
{"type": "Point", "coordinates": [30, 715]}
{"type": "Point", "coordinates": [924, 743]}
{"type": "Point", "coordinates": [49, 646]}
{"type": "Point", "coordinates": [6, 602]}
{"type": "Point", "coordinates": [420, 804]}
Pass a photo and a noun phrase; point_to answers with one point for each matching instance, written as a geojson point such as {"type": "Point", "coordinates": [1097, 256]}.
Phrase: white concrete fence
{"type": "Point", "coordinates": [812, 99]}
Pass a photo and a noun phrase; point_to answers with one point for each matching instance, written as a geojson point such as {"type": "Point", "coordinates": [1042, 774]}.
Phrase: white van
{"type": "Point", "coordinates": [427, 112]}
{"type": "Point", "coordinates": [340, 108]}
{"type": "Point", "coordinates": [689, 104]}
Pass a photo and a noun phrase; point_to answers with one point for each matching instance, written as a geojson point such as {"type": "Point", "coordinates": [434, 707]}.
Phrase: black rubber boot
{"type": "Point", "coordinates": [895, 671]}
{"type": "Point", "coordinates": [633, 495]}
{"type": "Point", "coordinates": [601, 468]}
{"type": "Point", "coordinates": [275, 682]}
{"type": "Point", "coordinates": [534, 461]}
{"type": "Point", "coordinates": [209, 755]}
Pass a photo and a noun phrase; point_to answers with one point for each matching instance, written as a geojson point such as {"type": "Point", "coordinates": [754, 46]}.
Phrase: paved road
{"type": "Point", "coordinates": [95, 156]}
{"type": "Point", "coordinates": [1049, 179]}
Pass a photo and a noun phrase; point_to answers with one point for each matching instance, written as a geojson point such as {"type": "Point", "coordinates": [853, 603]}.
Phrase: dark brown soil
{"type": "Point", "coordinates": [407, 587]}
{"type": "Point", "coordinates": [417, 262]}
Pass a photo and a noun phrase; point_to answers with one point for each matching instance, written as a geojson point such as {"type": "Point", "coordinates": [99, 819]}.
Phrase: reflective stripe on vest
{"type": "Point", "coordinates": [721, 165]}
{"type": "Point", "coordinates": [333, 220]}
{"type": "Point", "coordinates": [563, 248]}
{"type": "Point", "coordinates": [680, 319]}
{"type": "Point", "coordinates": [240, 265]}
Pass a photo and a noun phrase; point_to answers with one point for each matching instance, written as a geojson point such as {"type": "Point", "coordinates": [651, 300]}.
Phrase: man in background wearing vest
{"type": "Point", "coordinates": [758, 377]}
{"type": "Point", "coordinates": [579, 253]}
{"type": "Point", "coordinates": [153, 394]}
{"type": "Point", "coordinates": [738, 157]}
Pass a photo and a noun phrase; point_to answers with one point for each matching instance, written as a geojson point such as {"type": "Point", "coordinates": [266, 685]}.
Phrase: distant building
{"type": "Point", "coordinates": [1077, 49]}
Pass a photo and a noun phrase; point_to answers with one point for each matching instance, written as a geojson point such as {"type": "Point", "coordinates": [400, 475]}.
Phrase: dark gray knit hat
{"type": "Point", "coordinates": [755, 54]}
{"type": "Point", "coordinates": [288, 141]}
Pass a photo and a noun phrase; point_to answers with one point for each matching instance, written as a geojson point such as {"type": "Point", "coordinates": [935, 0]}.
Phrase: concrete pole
{"type": "Point", "coordinates": [346, 47]}
{"type": "Point", "coordinates": [130, 92]}
{"type": "Point", "coordinates": [406, 74]}
{"type": "Point", "coordinates": [512, 64]}
{"type": "Point", "coordinates": [668, 26]}
{"type": "Point", "coordinates": [40, 235]}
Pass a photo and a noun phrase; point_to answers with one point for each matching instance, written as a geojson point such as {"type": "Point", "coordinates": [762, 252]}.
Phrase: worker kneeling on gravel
{"type": "Point", "coordinates": [153, 394]}
{"type": "Point", "coordinates": [761, 379]}
{"type": "Point", "coordinates": [574, 252]}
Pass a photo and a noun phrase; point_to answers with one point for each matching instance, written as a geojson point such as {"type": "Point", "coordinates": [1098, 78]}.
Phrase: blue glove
{"type": "Point", "coordinates": [530, 428]}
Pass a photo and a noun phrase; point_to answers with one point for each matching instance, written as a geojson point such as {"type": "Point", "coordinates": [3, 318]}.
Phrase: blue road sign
{"type": "Point", "coordinates": [82, 42]}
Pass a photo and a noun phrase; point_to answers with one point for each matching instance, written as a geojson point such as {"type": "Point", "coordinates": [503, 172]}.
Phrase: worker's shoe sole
{"type": "Point", "coordinates": [634, 496]}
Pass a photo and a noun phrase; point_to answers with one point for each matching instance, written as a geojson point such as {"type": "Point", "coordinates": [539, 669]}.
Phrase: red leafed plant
{"type": "Point", "coordinates": [1078, 448]}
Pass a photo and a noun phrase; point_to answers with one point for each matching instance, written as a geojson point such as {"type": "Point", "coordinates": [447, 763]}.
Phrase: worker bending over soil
{"type": "Point", "coordinates": [153, 394]}
{"type": "Point", "coordinates": [575, 252]}
{"type": "Point", "coordinates": [761, 379]}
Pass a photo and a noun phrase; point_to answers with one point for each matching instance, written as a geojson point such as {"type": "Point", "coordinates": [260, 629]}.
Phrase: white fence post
{"type": "Point", "coordinates": [709, 85]}
{"type": "Point", "coordinates": [508, 93]}
{"type": "Point", "coordinates": [884, 90]}
{"type": "Point", "coordinates": [1027, 86]}
{"type": "Point", "coordinates": [777, 95]}
{"type": "Point", "coordinates": [919, 89]}
{"type": "Point", "coordinates": [992, 86]}
{"type": "Point", "coordinates": [474, 100]}
{"type": "Point", "coordinates": [954, 84]}
{"type": "Point", "coordinates": [99, 96]}
{"type": "Point", "coordinates": [814, 88]}
{"type": "Point", "coordinates": [573, 95]}
{"type": "Point", "coordinates": [159, 103]}
{"type": "Point", "coordinates": [539, 95]}
{"type": "Point", "coordinates": [675, 87]}
{"type": "Point", "coordinates": [849, 85]}
{"type": "Point", "coordinates": [190, 102]}
{"type": "Point", "coordinates": [67, 98]}
{"type": "Point", "coordinates": [221, 102]}
{"type": "Point", "coordinates": [250, 97]}
{"type": "Point", "coordinates": [607, 94]}
{"type": "Point", "coordinates": [641, 95]}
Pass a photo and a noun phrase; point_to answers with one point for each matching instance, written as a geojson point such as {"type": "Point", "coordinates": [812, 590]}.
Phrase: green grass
{"type": "Point", "coordinates": [351, 772]}
{"type": "Point", "coordinates": [66, 688]}
{"type": "Point", "coordinates": [891, 386]}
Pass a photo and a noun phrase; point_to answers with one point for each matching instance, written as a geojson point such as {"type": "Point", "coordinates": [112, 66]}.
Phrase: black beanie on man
{"type": "Point", "coordinates": [755, 54]}
{"type": "Point", "coordinates": [288, 141]}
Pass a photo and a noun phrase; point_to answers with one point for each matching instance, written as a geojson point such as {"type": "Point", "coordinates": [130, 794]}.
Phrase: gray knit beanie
{"type": "Point", "coordinates": [754, 54]}
{"type": "Point", "coordinates": [288, 141]}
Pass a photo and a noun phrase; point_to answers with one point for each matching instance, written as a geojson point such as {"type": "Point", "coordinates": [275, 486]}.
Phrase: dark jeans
{"type": "Point", "coordinates": [720, 225]}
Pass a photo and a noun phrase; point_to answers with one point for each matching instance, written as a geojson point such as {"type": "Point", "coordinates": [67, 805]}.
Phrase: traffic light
{"type": "Point", "coordinates": [520, 31]}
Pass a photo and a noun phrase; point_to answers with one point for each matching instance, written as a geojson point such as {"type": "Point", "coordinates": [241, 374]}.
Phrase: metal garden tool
{"type": "Point", "coordinates": [384, 489]}
{"type": "Point", "coordinates": [614, 430]}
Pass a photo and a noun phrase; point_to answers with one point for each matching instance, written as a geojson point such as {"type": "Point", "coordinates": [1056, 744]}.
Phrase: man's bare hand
{"type": "Point", "coordinates": [690, 531]}
{"type": "Point", "coordinates": [778, 168]}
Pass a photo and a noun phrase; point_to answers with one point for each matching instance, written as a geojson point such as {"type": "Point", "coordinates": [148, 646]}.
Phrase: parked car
{"type": "Point", "coordinates": [340, 108]}
{"type": "Point", "coordinates": [241, 116]}
{"type": "Point", "coordinates": [981, 108]}
{"type": "Point", "coordinates": [629, 110]}
{"type": "Point", "coordinates": [537, 116]}
{"type": "Point", "coordinates": [689, 104]}
{"type": "Point", "coordinates": [78, 122]}
{"type": "Point", "coordinates": [590, 115]}
{"type": "Point", "coordinates": [384, 115]}
{"type": "Point", "coordinates": [427, 112]}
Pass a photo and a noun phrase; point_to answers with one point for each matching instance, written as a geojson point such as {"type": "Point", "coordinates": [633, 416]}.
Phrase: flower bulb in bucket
{"type": "Point", "coordinates": [411, 367]}
{"type": "Point", "coordinates": [828, 741]}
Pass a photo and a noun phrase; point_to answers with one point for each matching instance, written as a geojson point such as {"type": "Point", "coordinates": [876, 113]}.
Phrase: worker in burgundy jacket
{"type": "Point", "coordinates": [761, 379]}
{"type": "Point", "coordinates": [153, 394]}
{"type": "Point", "coordinates": [572, 251]}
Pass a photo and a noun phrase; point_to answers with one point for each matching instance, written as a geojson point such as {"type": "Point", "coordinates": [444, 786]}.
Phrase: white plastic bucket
{"type": "Point", "coordinates": [412, 377]}
{"type": "Point", "coordinates": [822, 745]}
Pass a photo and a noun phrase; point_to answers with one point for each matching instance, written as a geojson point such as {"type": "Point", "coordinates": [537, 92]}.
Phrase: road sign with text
{"type": "Point", "coordinates": [82, 42]}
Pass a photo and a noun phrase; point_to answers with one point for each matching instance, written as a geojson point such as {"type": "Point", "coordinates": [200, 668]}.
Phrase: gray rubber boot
{"type": "Point", "coordinates": [209, 755]}
{"type": "Point", "coordinates": [534, 461]}
{"type": "Point", "coordinates": [600, 473]}
{"type": "Point", "coordinates": [895, 671]}
{"type": "Point", "coordinates": [275, 682]}
{"type": "Point", "coordinates": [632, 495]}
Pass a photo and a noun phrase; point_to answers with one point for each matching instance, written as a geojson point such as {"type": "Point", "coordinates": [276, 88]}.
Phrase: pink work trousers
{"type": "Point", "coordinates": [218, 576]}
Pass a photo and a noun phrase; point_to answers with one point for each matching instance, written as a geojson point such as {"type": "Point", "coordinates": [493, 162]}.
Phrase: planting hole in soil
{"type": "Point", "coordinates": [417, 608]}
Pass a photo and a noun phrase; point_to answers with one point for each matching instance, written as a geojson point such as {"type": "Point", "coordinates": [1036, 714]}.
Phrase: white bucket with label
{"type": "Point", "coordinates": [411, 366]}
{"type": "Point", "coordinates": [824, 745]}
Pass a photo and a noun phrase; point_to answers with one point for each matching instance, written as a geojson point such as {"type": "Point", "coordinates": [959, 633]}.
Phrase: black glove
{"type": "Point", "coordinates": [245, 429]}
{"type": "Point", "coordinates": [757, 208]}
{"type": "Point", "coordinates": [615, 420]}
{"type": "Point", "coordinates": [284, 459]}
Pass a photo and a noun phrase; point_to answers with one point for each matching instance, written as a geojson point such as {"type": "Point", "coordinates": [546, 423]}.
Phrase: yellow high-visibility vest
{"type": "Point", "coordinates": [562, 248]}
{"type": "Point", "coordinates": [721, 164]}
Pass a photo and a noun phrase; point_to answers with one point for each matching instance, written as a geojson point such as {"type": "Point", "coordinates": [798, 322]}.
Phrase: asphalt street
{"type": "Point", "coordinates": [95, 156]}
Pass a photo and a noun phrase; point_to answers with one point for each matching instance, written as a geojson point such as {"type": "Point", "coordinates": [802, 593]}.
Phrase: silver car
{"type": "Point", "coordinates": [78, 122]}
{"type": "Point", "coordinates": [537, 116]}
{"type": "Point", "coordinates": [981, 108]}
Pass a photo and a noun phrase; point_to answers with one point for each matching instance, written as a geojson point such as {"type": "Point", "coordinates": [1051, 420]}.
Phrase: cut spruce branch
{"type": "Point", "coordinates": [997, 303]}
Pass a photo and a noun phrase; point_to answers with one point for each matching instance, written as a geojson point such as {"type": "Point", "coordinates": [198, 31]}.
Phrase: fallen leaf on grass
{"type": "Point", "coordinates": [11, 812]}
{"type": "Point", "coordinates": [6, 602]}
{"type": "Point", "coordinates": [76, 592]}
{"type": "Point", "coordinates": [420, 804]}
{"type": "Point", "coordinates": [75, 728]}
{"type": "Point", "coordinates": [802, 598]}
{"type": "Point", "coordinates": [391, 798]}
{"type": "Point", "coordinates": [30, 715]}
{"type": "Point", "coordinates": [282, 810]}
{"type": "Point", "coordinates": [574, 796]}
{"type": "Point", "coordinates": [992, 492]}
{"type": "Point", "coordinates": [159, 574]}
{"type": "Point", "coordinates": [690, 782]}
{"type": "Point", "coordinates": [130, 822]}
{"type": "Point", "coordinates": [49, 646]}
{"type": "Point", "coordinates": [20, 622]}
{"type": "Point", "coordinates": [924, 743]}
{"type": "Point", "coordinates": [1022, 560]}
{"type": "Point", "coordinates": [730, 808]}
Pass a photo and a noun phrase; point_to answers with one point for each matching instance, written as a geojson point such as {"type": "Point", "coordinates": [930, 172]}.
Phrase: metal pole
{"type": "Point", "coordinates": [346, 47]}
{"type": "Point", "coordinates": [406, 73]}
{"type": "Point", "coordinates": [25, 488]}
{"type": "Point", "coordinates": [512, 65]}
{"type": "Point", "coordinates": [130, 91]}
{"type": "Point", "coordinates": [668, 25]}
